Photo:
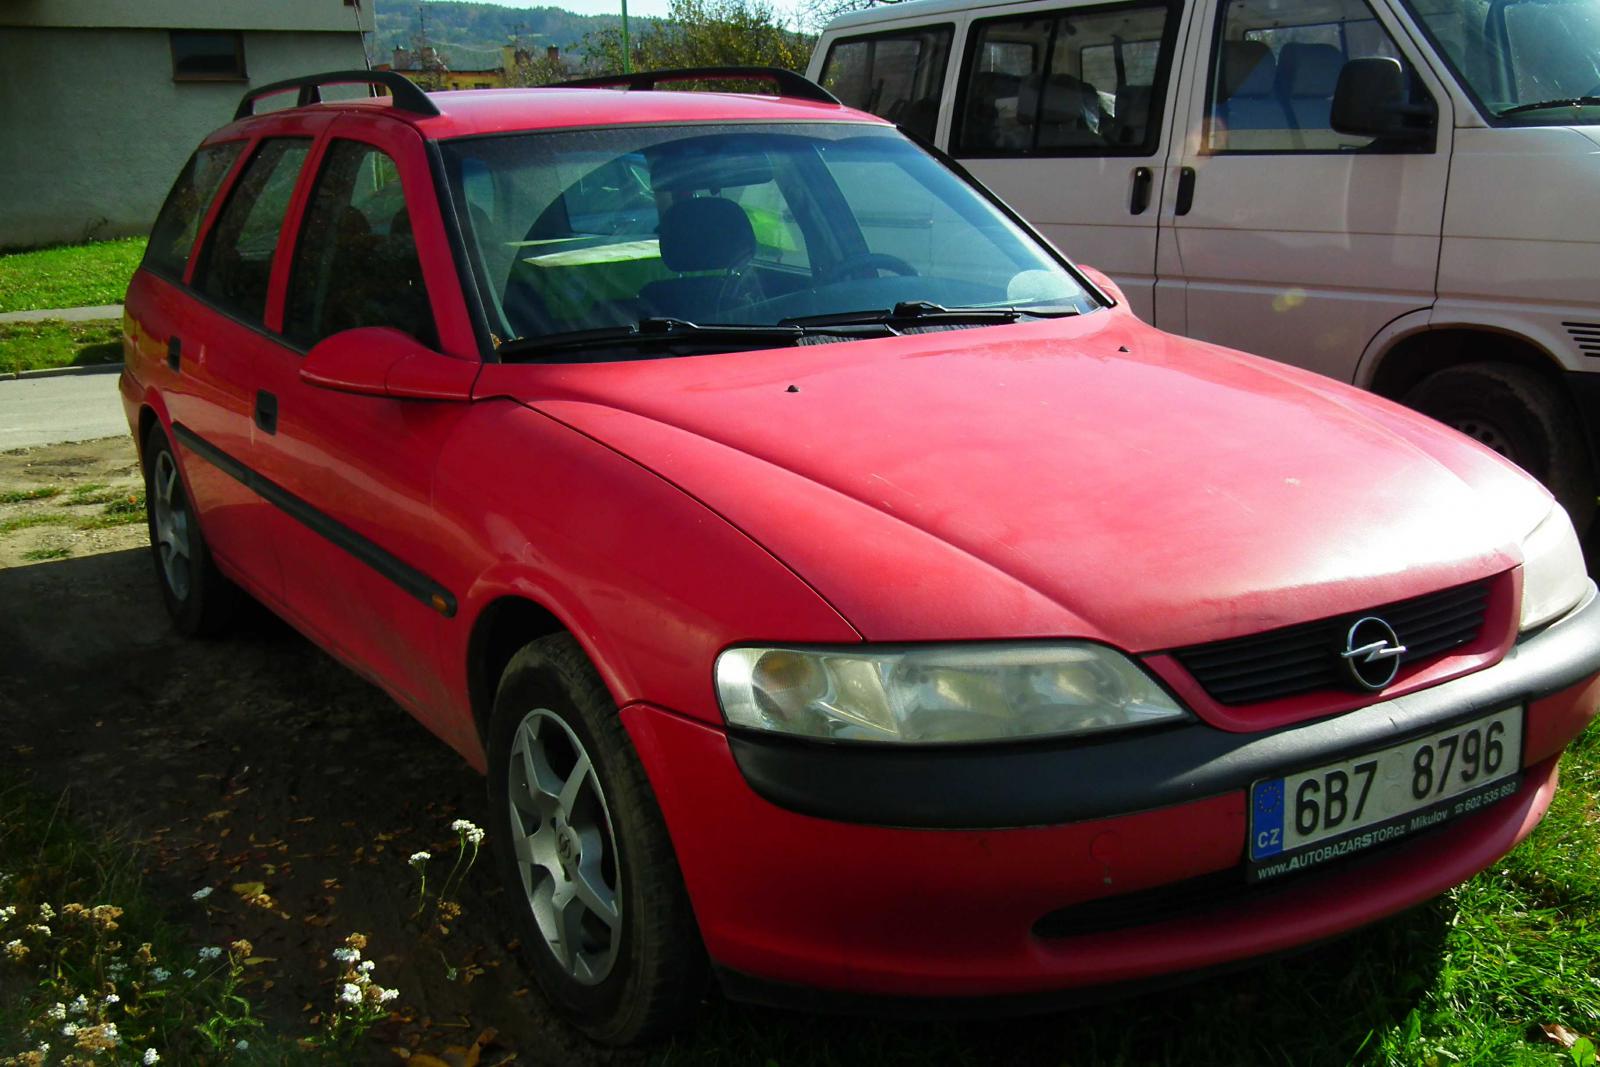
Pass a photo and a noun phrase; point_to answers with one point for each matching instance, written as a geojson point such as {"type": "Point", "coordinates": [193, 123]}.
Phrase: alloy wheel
{"type": "Point", "coordinates": [565, 847]}
{"type": "Point", "coordinates": [171, 511]}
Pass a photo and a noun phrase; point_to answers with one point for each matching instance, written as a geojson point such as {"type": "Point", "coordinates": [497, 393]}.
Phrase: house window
{"type": "Point", "coordinates": [205, 55]}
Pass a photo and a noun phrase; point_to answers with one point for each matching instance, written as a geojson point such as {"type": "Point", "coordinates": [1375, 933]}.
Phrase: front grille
{"type": "Point", "coordinates": [1305, 658]}
{"type": "Point", "coordinates": [1587, 334]}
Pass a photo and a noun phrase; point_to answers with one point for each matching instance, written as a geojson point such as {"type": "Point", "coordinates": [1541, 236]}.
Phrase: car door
{"type": "Point", "coordinates": [1292, 240]}
{"type": "Point", "coordinates": [211, 351]}
{"type": "Point", "coordinates": [357, 532]}
{"type": "Point", "coordinates": [1066, 113]}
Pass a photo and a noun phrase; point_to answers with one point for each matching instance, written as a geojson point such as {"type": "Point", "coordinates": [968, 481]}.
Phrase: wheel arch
{"type": "Point", "coordinates": [1413, 354]}
{"type": "Point", "coordinates": [501, 629]}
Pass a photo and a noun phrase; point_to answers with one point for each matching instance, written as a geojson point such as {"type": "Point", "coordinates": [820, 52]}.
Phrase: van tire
{"type": "Point", "coordinates": [1521, 414]}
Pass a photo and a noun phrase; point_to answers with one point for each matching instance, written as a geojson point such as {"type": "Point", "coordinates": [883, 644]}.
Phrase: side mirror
{"type": "Point", "coordinates": [1372, 100]}
{"type": "Point", "coordinates": [379, 361]}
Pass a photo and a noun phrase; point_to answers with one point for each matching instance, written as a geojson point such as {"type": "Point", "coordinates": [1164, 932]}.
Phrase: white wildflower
{"type": "Point", "coordinates": [210, 952]}
{"type": "Point", "coordinates": [57, 1012]}
{"type": "Point", "coordinates": [117, 970]}
{"type": "Point", "coordinates": [39, 928]}
{"type": "Point", "coordinates": [46, 912]}
{"type": "Point", "coordinates": [419, 858]}
{"type": "Point", "coordinates": [350, 994]}
{"type": "Point", "coordinates": [188, 972]}
{"type": "Point", "coordinates": [151, 1056]}
{"type": "Point", "coordinates": [160, 974]}
{"type": "Point", "coordinates": [468, 830]}
{"type": "Point", "coordinates": [346, 955]}
{"type": "Point", "coordinates": [367, 965]}
{"type": "Point", "coordinates": [386, 995]}
{"type": "Point", "coordinates": [69, 1030]}
{"type": "Point", "coordinates": [202, 893]}
{"type": "Point", "coordinates": [109, 1031]}
{"type": "Point", "coordinates": [79, 1006]}
{"type": "Point", "coordinates": [112, 998]}
{"type": "Point", "coordinates": [9, 912]}
{"type": "Point", "coordinates": [241, 1044]}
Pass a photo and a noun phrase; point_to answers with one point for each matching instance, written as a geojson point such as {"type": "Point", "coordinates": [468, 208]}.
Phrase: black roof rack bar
{"type": "Point", "coordinates": [788, 82]}
{"type": "Point", "coordinates": [407, 97]}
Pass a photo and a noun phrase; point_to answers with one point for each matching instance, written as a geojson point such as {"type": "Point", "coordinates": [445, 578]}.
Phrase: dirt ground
{"type": "Point", "coordinates": [251, 759]}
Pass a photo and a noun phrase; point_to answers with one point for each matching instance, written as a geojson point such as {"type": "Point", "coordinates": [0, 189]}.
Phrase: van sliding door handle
{"type": "Point", "coordinates": [1143, 180]}
{"type": "Point", "coordinates": [1185, 191]}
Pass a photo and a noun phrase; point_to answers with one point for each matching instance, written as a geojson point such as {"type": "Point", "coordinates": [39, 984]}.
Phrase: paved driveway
{"type": "Point", "coordinates": [48, 411]}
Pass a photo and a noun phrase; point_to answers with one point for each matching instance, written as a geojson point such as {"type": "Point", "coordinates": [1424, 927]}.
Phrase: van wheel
{"type": "Point", "coordinates": [201, 602]}
{"type": "Point", "coordinates": [604, 918]}
{"type": "Point", "coordinates": [1522, 415]}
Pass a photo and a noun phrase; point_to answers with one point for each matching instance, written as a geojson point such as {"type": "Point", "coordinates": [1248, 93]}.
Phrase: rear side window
{"type": "Point", "coordinates": [172, 237]}
{"type": "Point", "coordinates": [236, 264]}
{"type": "Point", "coordinates": [355, 263]}
{"type": "Point", "coordinates": [898, 75]}
{"type": "Point", "coordinates": [1087, 83]}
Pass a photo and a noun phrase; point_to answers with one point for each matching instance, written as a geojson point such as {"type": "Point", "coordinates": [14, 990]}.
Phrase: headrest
{"type": "Point", "coordinates": [1309, 69]}
{"type": "Point", "coordinates": [706, 233]}
{"type": "Point", "coordinates": [1248, 69]}
{"type": "Point", "coordinates": [1065, 99]}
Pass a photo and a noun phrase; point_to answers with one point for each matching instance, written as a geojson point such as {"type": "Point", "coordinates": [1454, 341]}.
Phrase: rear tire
{"type": "Point", "coordinates": [605, 921]}
{"type": "Point", "coordinates": [200, 601]}
{"type": "Point", "coordinates": [1522, 415]}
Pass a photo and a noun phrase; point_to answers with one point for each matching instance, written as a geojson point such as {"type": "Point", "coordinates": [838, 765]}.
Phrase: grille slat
{"type": "Point", "coordinates": [1586, 335]}
{"type": "Point", "coordinates": [1305, 657]}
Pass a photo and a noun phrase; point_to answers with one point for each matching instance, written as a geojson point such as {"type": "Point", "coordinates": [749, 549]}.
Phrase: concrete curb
{"type": "Point", "coordinates": [59, 372]}
{"type": "Point", "coordinates": [93, 313]}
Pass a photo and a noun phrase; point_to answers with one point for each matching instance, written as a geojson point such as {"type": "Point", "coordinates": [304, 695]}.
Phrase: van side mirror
{"type": "Point", "coordinates": [379, 361]}
{"type": "Point", "coordinates": [1372, 99]}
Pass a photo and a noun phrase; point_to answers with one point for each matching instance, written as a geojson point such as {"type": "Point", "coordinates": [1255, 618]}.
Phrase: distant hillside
{"type": "Point", "coordinates": [470, 35]}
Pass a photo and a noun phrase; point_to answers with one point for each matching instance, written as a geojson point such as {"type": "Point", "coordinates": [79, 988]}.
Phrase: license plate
{"type": "Point", "coordinates": [1304, 819]}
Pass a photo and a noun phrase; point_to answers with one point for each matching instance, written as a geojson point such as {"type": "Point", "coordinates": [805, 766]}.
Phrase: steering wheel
{"type": "Point", "coordinates": [873, 261]}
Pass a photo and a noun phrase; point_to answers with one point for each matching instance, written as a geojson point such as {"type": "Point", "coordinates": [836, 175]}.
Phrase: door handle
{"type": "Point", "coordinates": [266, 411]}
{"type": "Point", "coordinates": [175, 354]}
{"type": "Point", "coordinates": [1185, 191]}
{"type": "Point", "coordinates": [1143, 181]}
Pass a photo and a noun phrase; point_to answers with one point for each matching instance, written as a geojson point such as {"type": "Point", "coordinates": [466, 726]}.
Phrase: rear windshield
{"type": "Point", "coordinates": [741, 225]}
{"type": "Point", "coordinates": [172, 237]}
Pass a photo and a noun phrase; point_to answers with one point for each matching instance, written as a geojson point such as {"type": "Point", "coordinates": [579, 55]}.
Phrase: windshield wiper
{"type": "Point", "coordinates": [924, 313]}
{"type": "Point", "coordinates": [1573, 101]}
{"type": "Point", "coordinates": [652, 331]}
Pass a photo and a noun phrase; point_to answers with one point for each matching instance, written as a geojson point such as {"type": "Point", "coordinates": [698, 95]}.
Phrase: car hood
{"type": "Point", "coordinates": [1091, 477]}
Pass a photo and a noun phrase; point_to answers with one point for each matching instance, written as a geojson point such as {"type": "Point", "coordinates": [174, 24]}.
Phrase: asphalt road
{"type": "Point", "coordinates": [47, 411]}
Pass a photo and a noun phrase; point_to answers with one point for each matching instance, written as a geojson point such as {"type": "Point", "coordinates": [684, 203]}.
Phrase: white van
{"type": "Point", "coordinates": [1404, 194]}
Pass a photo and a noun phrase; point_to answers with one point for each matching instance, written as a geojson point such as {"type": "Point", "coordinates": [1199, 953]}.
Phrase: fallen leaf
{"type": "Point", "coordinates": [1558, 1034]}
{"type": "Point", "coordinates": [249, 890]}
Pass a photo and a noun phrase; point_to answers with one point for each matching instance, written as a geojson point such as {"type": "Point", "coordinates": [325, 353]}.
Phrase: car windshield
{"type": "Point", "coordinates": [747, 225]}
{"type": "Point", "coordinates": [1526, 61]}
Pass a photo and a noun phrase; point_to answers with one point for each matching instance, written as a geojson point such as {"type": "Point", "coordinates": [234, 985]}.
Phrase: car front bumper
{"type": "Point", "coordinates": [1015, 871]}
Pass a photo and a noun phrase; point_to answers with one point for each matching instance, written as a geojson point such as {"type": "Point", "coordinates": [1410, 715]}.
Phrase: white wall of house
{"type": "Point", "coordinates": [93, 127]}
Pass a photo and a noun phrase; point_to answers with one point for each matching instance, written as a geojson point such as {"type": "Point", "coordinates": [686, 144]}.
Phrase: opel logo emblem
{"type": "Point", "coordinates": [1372, 652]}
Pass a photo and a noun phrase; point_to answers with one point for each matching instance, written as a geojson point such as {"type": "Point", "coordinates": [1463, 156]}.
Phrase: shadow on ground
{"type": "Point", "coordinates": [258, 758]}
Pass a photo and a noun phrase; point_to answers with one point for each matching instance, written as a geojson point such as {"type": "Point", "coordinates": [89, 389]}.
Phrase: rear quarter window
{"type": "Point", "coordinates": [172, 237]}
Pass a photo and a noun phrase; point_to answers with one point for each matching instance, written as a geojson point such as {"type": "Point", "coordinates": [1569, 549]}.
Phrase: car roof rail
{"type": "Point", "coordinates": [407, 95]}
{"type": "Point", "coordinates": [789, 84]}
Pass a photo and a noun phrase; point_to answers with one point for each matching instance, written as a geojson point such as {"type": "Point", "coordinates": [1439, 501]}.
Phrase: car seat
{"type": "Point", "coordinates": [709, 238]}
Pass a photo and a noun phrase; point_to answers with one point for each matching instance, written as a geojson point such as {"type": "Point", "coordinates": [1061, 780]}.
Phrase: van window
{"type": "Point", "coordinates": [172, 237]}
{"type": "Point", "coordinates": [236, 264]}
{"type": "Point", "coordinates": [1067, 83]}
{"type": "Point", "coordinates": [898, 75]}
{"type": "Point", "coordinates": [1274, 68]}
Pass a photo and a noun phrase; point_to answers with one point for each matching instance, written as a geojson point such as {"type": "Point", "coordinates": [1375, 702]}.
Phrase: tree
{"type": "Point", "coordinates": [815, 14]}
{"type": "Point", "coordinates": [703, 33]}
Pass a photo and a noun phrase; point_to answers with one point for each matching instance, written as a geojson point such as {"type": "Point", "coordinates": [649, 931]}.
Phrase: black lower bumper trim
{"type": "Point", "coordinates": [1046, 783]}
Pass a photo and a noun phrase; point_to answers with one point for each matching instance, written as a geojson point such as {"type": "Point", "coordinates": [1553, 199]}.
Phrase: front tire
{"type": "Point", "coordinates": [200, 601]}
{"type": "Point", "coordinates": [604, 918]}
{"type": "Point", "coordinates": [1522, 415]}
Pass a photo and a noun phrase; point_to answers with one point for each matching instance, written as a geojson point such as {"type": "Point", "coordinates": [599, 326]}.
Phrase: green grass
{"type": "Point", "coordinates": [118, 509]}
{"type": "Point", "coordinates": [40, 555]}
{"type": "Point", "coordinates": [53, 343]}
{"type": "Point", "coordinates": [18, 496]}
{"type": "Point", "coordinates": [1467, 979]}
{"type": "Point", "coordinates": [69, 276]}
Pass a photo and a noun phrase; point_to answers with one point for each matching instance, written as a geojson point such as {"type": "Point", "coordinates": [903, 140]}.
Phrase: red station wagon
{"type": "Point", "coordinates": [844, 594]}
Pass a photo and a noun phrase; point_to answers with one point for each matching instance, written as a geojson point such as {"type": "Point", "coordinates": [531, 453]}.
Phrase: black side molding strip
{"type": "Point", "coordinates": [379, 559]}
{"type": "Point", "coordinates": [1045, 783]}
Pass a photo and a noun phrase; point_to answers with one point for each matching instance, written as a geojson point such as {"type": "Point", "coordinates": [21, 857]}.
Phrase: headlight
{"type": "Point", "coordinates": [939, 694]}
{"type": "Point", "coordinates": [1553, 575]}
